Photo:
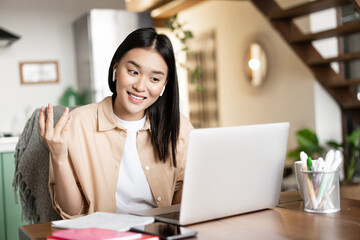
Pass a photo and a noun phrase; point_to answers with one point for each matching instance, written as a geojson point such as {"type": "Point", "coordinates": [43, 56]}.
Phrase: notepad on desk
{"type": "Point", "coordinates": [98, 234]}
{"type": "Point", "coordinates": [112, 221]}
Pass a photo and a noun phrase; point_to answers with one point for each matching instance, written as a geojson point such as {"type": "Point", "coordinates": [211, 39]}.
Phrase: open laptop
{"type": "Point", "coordinates": [229, 171]}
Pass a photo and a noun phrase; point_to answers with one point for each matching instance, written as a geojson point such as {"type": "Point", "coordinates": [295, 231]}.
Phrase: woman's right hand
{"type": "Point", "coordinates": [64, 186]}
{"type": "Point", "coordinates": [55, 138]}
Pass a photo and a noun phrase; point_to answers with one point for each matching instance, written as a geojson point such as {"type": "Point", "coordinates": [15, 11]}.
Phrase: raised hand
{"type": "Point", "coordinates": [55, 138]}
{"type": "Point", "coordinates": [67, 192]}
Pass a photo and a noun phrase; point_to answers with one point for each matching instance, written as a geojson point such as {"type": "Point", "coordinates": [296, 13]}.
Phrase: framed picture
{"type": "Point", "coordinates": [37, 72]}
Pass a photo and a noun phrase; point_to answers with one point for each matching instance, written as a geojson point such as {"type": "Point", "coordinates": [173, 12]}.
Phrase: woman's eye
{"type": "Point", "coordinates": [133, 72]}
{"type": "Point", "coordinates": [155, 79]}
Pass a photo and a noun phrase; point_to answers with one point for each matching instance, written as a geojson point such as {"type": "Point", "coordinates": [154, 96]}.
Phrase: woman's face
{"type": "Point", "coordinates": [140, 76]}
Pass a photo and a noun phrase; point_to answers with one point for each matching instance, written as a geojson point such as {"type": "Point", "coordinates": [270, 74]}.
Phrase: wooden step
{"type": "Point", "coordinates": [341, 58]}
{"type": "Point", "coordinates": [346, 97]}
{"type": "Point", "coordinates": [353, 106]}
{"type": "Point", "coordinates": [349, 28]}
{"type": "Point", "coordinates": [356, 4]}
{"type": "Point", "coordinates": [344, 83]}
{"type": "Point", "coordinates": [307, 8]}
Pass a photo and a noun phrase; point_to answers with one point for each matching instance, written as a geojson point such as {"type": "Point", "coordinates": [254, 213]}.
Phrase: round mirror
{"type": "Point", "coordinates": [256, 64]}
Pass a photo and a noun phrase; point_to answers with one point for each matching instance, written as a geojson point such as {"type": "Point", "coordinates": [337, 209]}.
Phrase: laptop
{"type": "Point", "coordinates": [229, 171]}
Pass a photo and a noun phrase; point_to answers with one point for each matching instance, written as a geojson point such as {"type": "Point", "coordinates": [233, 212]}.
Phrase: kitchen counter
{"type": "Point", "coordinates": [7, 144]}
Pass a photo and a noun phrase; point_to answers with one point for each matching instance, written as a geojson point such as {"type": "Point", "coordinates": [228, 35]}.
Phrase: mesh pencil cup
{"type": "Point", "coordinates": [321, 191]}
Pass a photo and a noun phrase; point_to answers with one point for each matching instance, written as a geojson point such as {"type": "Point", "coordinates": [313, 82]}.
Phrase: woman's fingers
{"type": "Point", "coordinates": [46, 124]}
{"type": "Point", "coordinates": [54, 138]}
{"type": "Point", "coordinates": [61, 124]}
{"type": "Point", "coordinates": [49, 125]}
{"type": "Point", "coordinates": [42, 121]}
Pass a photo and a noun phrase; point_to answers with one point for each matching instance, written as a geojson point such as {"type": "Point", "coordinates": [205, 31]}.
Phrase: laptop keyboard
{"type": "Point", "coordinates": [172, 215]}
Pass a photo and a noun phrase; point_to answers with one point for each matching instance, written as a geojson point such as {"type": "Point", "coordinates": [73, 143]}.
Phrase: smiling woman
{"type": "Point", "coordinates": [130, 146]}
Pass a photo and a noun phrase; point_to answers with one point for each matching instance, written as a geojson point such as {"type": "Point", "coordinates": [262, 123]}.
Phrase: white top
{"type": "Point", "coordinates": [133, 191]}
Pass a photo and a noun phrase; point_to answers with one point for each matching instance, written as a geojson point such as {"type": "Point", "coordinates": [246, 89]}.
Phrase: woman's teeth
{"type": "Point", "coordinates": [136, 97]}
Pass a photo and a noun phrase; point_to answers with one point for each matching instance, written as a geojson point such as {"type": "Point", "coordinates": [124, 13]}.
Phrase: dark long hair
{"type": "Point", "coordinates": [164, 113]}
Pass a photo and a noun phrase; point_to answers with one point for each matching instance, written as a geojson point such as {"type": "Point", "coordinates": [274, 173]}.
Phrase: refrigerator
{"type": "Point", "coordinates": [97, 35]}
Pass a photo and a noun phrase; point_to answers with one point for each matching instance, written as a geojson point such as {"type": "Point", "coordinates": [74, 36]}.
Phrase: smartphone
{"type": "Point", "coordinates": [165, 231]}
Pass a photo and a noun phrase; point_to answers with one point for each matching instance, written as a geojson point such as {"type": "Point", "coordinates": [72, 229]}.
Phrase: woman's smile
{"type": "Point", "coordinates": [136, 98]}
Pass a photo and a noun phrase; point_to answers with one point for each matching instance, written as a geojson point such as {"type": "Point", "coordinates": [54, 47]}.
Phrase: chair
{"type": "Point", "coordinates": [32, 172]}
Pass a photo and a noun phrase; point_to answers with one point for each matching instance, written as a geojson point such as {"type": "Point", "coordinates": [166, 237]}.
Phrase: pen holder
{"type": "Point", "coordinates": [321, 191]}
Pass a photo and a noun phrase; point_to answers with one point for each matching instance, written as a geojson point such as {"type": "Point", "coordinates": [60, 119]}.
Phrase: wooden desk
{"type": "Point", "coordinates": [287, 221]}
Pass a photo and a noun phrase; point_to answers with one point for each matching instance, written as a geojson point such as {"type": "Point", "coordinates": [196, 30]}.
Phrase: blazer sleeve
{"type": "Point", "coordinates": [181, 152]}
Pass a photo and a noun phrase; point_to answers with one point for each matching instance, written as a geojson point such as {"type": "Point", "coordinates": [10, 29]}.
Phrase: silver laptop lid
{"type": "Point", "coordinates": [233, 170]}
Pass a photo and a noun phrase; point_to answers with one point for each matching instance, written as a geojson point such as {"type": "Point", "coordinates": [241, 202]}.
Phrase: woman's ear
{"type": "Point", "coordinates": [114, 72]}
{"type": "Point", "coordinates": [113, 76]}
{"type": "Point", "coordinates": [162, 91]}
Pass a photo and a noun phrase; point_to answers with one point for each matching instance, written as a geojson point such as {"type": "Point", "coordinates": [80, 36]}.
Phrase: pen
{"type": "Point", "coordinates": [323, 184]}
{"type": "Point", "coordinates": [334, 166]}
{"type": "Point", "coordinates": [337, 161]}
{"type": "Point", "coordinates": [326, 199]}
{"type": "Point", "coordinates": [309, 163]}
{"type": "Point", "coordinates": [310, 188]}
{"type": "Point", "coordinates": [319, 168]}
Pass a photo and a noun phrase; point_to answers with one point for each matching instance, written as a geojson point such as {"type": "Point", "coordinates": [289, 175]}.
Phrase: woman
{"type": "Point", "coordinates": [128, 151]}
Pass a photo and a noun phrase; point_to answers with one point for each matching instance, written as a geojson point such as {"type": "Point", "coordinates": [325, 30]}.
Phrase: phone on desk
{"type": "Point", "coordinates": [165, 231]}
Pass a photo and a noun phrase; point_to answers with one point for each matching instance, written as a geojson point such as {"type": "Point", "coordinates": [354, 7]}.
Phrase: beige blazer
{"type": "Point", "coordinates": [95, 146]}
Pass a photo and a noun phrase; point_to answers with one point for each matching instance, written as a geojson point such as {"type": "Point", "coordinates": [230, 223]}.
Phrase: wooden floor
{"type": "Point", "coordinates": [351, 192]}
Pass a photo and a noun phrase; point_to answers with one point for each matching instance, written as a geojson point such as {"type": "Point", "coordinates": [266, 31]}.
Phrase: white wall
{"type": "Point", "coordinates": [45, 27]}
{"type": "Point", "coordinates": [327, 111]}
{"type": "Point", "coordinates": [287, 94]}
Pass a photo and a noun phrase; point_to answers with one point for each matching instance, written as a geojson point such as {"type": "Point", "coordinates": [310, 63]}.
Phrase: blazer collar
{"type": "Point", "coordinates": [106, 118]}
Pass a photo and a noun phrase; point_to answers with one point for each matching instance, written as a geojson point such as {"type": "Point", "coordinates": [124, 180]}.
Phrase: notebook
{"type": "Point", "coordinates": [229, 171]}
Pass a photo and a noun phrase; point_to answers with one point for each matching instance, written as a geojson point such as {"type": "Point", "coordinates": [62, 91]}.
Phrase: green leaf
{"type": "Point", "coordinates": [200, 88]}
{"type": "Point", "coordinates": [188, 34]}
{"type": "Point", "coordinates": [306, 138]}
{"type": "Point", "coordinates": [357, 148]}
{"type": "Point", "coordinates": [191, 53]}
{"type": "Point", "coordinates": [183, 40]}
{"type": "Point", "coordinates": [353, 139]}
{"type": "Point", "coordinates": [294, 154]}
{"type": "Point", "coordinates": [335, 145]}
{"type": "Point", "coordinates": [196, 73]}
{"type": "Point", "coordinates": [183, 65]}
{"type": "Point", "coordinates": [350, 172]}
{"type": "Point", "coordinates": [185, 49]}
{"type": "Point", "coordinates": [307, 142]}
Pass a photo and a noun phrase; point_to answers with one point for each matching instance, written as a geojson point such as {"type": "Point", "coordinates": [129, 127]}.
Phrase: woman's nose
{"type": "Point", "coordinates": [140, 84]}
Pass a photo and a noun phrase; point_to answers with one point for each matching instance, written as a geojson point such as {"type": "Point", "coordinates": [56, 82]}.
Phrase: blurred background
{"type": "Point", "coordinates": [58, 52]}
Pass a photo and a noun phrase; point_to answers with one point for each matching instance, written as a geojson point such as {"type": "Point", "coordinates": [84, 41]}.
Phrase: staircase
{"type": "Point", "coordinates": [341, 89]}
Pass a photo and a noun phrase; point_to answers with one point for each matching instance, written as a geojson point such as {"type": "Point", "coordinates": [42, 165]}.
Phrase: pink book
{"type": "Point", "coordinates": [94, 234]}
